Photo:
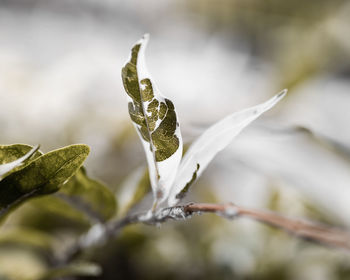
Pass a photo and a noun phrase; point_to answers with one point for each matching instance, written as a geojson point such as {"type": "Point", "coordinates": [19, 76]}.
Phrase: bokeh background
{"type": "Point", "coordinates": [60, 83]}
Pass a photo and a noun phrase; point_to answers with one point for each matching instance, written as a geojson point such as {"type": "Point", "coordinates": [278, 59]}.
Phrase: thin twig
{"type": "Point", "coordinates": [319, 233]}
{"type": "Point", "coordinates": [326, 235]}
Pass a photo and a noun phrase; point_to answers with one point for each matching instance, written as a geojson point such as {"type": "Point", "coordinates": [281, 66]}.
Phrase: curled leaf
{"type": "Point", "coordinates": [155, 120]}
{"type": "Point", "coordinates": [212, 141]}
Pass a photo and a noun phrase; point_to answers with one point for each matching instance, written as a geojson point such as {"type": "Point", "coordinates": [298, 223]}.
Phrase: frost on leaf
{"type": "Point", "coordinates": [155, 120]}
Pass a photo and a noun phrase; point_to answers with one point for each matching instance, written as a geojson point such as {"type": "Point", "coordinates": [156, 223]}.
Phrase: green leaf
{"type": "Point", "coordinates": [43, 175]}
{"type": "Point", "coordinates": [15, 157]}
{"type": "Point", "coordinates": [51, 206]}
{"type": "Point", "coordinates": [155, 120]}
{"type": "Point", "coordinates": [81, 200]}
{"type": "Point", "coordinates": [9, 153]}
{"type": "Point", "coordinates": [73, 269]}
{"type": "Point", "coordinates": [90, 196]}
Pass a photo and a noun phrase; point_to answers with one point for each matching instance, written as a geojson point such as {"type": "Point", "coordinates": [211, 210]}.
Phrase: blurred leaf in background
{"type": "Point", "coordinates": [59, 84]}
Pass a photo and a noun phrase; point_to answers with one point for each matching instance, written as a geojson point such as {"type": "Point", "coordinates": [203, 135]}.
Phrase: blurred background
{"type": "Point", "coordinates": [60, 64]}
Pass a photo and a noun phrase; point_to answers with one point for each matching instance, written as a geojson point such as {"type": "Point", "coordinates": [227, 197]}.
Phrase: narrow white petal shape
{"type": "Point", "coordinates": [212, 141]}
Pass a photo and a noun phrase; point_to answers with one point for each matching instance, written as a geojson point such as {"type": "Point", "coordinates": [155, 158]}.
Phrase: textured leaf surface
{"type": "Point", "coordinates": [14, 157]}
{"type": "Point", "coordinates": [155, 120]}
{"type": "Point", "coordinates": [90, 196]}
{"type": "Point", "coordinates": [43, 175]}
{"type": "Point", "coordinates": [212, 141]}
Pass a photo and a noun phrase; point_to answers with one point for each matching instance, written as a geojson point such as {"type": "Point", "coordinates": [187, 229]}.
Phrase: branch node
{"type": "Point", "coordinates": [174, 213]}
{"type": "Point", "coordinates": [230, 211]}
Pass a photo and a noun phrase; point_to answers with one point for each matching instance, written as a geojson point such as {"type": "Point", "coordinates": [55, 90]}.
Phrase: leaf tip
{"type": "Point", "coordinates": [145, 36]}
{"type": "Point", "coordinates": [31, 152]}
{"type": "Point", "coordinates": [282, 94]}
{"type": "Point", "coordinates": [36, 148]}
{"type": "Point", "coordinates": [80, 148]}
{"type": "Point", "coordinates": [144, 39]}
{"type": "Point", "coordinates": [85, 148]}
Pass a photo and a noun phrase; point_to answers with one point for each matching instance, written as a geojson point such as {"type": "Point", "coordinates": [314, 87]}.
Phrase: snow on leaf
{"type": "Point", "coordinates": [155, 120]}
{"type": "Point", "coordinates": [212, 141]}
